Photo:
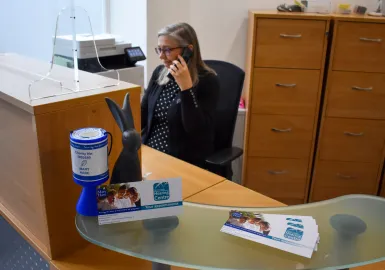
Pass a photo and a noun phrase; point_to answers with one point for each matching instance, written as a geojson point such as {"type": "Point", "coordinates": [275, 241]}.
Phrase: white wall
{"type": "Point", "coordinates": [27, 27]}
{"type": "Point", "coordinates": [370, 4]}
{"type": "Point", "coordinates": [221, 25]}
{"type": "Point", "coordinates": [160, 14]}
{"type": "Point", "coordinates": [128, 19]}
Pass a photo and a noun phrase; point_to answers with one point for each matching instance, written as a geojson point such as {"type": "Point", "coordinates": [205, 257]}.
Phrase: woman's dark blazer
{"type": "Point", "coordinates": [190, 117]}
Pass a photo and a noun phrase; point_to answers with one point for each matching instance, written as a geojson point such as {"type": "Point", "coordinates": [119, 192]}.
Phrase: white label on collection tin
{"type": "Point", "coordinates": [90, 162]}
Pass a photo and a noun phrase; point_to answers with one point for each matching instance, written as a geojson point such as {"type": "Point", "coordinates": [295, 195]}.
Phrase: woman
{"type": "Point", "coordinates": [178, 110]}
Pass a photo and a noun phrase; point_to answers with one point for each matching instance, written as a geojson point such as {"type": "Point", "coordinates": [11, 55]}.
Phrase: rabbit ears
{"type": "Point", "coordinates": [123, 117]}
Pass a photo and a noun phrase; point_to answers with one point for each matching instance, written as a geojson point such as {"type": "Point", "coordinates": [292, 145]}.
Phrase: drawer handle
{"type": "Point", "coordinates": [281, 130]}
{"type": "Point", "coordinates": [378, 40]}
{"type": "Point", "coordinates": [362, 88]}
{"type": "Point", "coordinates": [353, 134]}
{"type": "Point", "coordinates": [287, 85]}
{"type": "Point", "coordinates": [290, 36]}
{"type": "Point", "coordinates": [277, 172]}
{"type": "Point", "coordinates": [344, 176]}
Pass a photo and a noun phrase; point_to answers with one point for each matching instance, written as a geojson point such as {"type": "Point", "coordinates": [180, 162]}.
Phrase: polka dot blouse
{"type": "Point", "coordinates": [158, 138]}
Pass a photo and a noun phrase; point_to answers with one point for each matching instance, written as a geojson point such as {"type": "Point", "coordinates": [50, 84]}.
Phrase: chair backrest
{"type": "Point", "coordinates": [231, 80]}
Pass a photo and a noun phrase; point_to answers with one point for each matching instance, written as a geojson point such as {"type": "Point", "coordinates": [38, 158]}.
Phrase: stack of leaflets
{"type": "Point", "coordinates": [294, 234]}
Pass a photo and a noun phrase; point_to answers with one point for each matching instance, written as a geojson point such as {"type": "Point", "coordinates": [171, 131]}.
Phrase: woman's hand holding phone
{"type": "Point", "coordinates": [179, 70]}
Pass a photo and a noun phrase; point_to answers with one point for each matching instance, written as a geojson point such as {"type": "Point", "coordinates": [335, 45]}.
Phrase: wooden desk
{"type": "Point", "coordinates": [96, 258]}
{"type": "Point", "coordinates": [93, 257]}
{"type": "Point", "coordinates": [195, 180]}
{"type": "Point", "coordinates": [160, 165]}
{"type": "Point", "coordinates": [198, 185]}
{"type": "Point", "coordinates": [231, 194]}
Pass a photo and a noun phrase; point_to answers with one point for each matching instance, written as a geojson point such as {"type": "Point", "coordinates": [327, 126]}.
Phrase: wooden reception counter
{"type": "Point", "coordinates": [37, 193]}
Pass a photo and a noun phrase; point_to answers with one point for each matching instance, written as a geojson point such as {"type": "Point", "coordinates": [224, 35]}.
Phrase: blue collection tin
{"type": "Point", "coordinates": [89, 155]}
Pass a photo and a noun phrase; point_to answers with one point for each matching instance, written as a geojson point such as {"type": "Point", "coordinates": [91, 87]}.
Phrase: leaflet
{"type": "Point", "coordinates": [294, 234]}
{"type": "Point", "coordinates": [139, 200]}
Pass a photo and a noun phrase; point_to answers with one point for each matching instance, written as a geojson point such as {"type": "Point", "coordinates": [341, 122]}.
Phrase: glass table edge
{"type": "Point", "coordinates": [301, 206]}
{"type": "Point", "coordinates": [286, 207]}
{"type": "Point", "coordinates": [143, 257]}
{"type": "Point", "coordinates": [178, 264]}
{"type": "Point", "coordinates": [349, 266]}
{"type": "Point", "coordinates": [221, 207]}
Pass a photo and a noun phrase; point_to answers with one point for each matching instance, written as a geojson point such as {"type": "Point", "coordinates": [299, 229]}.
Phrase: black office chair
{"type": "Point", "coordinates": [231, 80]}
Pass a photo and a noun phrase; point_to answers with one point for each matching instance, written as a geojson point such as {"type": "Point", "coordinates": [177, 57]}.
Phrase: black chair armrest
{"type": "Point", "coordinates": [225, 156]}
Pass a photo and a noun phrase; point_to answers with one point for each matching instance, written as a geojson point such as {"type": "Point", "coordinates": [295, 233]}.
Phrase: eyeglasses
{"type": "Point", "coordinates": [166, 51]}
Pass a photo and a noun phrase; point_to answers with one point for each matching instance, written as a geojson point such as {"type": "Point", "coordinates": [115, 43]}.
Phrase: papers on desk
{"type": "Point", "coordinates": [294, 234]}
{"type": "Point", "coordinates": [139, 200]}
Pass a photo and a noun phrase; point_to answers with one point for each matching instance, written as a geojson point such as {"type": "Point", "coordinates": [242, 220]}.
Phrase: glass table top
{"type": "Point", "coordinates": [351, 234]}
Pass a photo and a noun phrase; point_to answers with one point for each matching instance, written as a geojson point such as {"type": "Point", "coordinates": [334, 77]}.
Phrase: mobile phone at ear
{"type": "Point", "coordinates": [186, 54]}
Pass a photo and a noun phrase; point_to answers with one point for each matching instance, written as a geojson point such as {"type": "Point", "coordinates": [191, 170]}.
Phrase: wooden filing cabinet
{"type": "Point", "coordinates": [286, 59]}
{"type": "Point", "coordinates": [351, 141]}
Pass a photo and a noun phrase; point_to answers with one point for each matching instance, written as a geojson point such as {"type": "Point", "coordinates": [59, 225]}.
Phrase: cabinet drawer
{"type": "Point", "coordinates": [334, 179]}
{"type": "Point", "coordinates": [356, 95]}
{"type": "Point", "coordinates": [280, 136]}
{"type": "Point", "coordinates": [360, 47]}
{"type": "Point", "coordinates": [285, 91]}
{"type": "Point", "coordinates": [281, 179]}
{"type": "Point", "coordinates": [352, 140]}
{"type": "Point", "coordinates": [289, 43]}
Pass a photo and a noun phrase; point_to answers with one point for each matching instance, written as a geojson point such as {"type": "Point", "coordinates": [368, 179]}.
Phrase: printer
{"type": "Point", "coordinates": [114, 54]}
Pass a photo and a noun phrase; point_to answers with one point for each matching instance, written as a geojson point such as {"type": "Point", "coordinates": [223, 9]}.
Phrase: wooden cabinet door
{"type": "Point", "coordinates": [281, 179]}
{"type": "Point", "coordinates": [360, 47]}
{"type": "Point", "coordinates": [280, 136]}
{"type": "Point", "coordinates": [356, 95]}
{"type": "Point", "coordinates": [333, 179]}
{"type": "Point", "coordinates": [352, 140]}
{"type": "Point", "coordinates": [285, 91]}
{"type": "Point", "coordinates": [286, 43]}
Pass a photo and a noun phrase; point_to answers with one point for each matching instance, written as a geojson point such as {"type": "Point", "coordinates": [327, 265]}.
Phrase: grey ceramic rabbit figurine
{"type": "Point", "coordinates": [127, 167]}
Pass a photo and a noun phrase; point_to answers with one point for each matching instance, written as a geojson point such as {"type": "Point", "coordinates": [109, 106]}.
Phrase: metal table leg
{"type": "Point", "coordinates": [159, 266]}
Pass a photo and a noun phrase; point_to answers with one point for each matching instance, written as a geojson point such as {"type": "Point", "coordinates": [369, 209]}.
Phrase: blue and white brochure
{"type": "Point", "coordinates": [139, 200]}
{"type": "Point", "coordinates": [295, 234]}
